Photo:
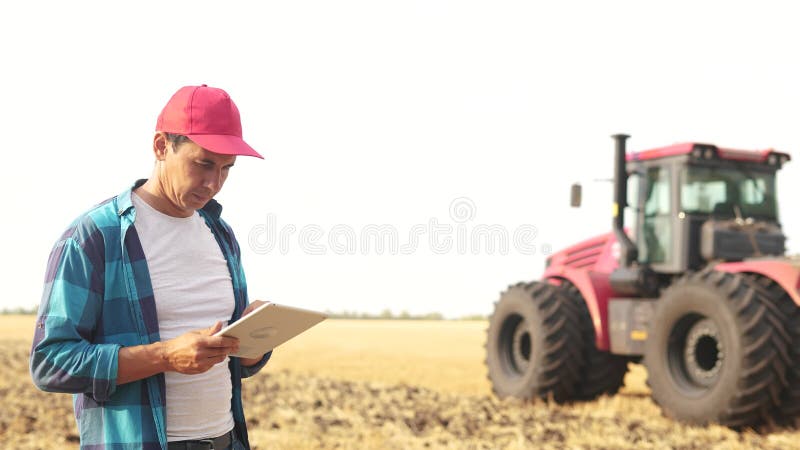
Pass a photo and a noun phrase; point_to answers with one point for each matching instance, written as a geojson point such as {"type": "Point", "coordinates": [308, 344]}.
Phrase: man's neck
{"type": "Point", "coordinates": [152, 192]}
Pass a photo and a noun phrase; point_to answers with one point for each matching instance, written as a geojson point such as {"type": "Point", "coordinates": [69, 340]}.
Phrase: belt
{"type": "Point", "coordinates": [217, 443]}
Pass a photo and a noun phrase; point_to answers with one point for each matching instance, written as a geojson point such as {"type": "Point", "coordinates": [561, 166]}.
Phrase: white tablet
{"type": "Point", "coordinates": [269, 326]}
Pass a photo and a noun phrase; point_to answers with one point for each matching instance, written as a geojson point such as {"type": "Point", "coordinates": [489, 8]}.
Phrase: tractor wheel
{"type": "Point", "coordinates": [534, 348]}
{"type": "Point", "coordinates": [713, 354]}
{"type": "Point", "coordinates": [602, 372]}
{"type": "Point", "coordinates": [788, 410]}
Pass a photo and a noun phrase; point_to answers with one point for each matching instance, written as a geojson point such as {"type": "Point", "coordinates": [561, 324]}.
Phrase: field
{"type": "Point", "coordinates": [387, 384]}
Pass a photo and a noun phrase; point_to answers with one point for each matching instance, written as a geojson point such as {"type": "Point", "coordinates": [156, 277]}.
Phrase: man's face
{"type": "Point", "coordinates": [191, 175]}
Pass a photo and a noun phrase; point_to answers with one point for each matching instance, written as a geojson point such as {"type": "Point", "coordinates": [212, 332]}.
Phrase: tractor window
{"type": "Point", "coordinates": [658, 193]}
{"type": "Point", "coordinates": [702, 195]}
{"type": "Point", "coordinates": [752, 191]}
{"type": "Point", "coordinates": [635, 183]}
{"type": "Point", "coordinates": [719, 191]}
{"type": "Point", "coordinates": [656, 247]}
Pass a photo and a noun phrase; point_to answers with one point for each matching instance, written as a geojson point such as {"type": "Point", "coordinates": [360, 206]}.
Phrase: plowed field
{"type": "Point", "coordinates": [395, 385]}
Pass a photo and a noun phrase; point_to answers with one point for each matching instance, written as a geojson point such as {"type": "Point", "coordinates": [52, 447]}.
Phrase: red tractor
{"type": "Point", "coordinates": [696, 286]}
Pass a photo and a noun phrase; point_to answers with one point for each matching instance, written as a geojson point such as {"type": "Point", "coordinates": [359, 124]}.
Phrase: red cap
{"type": "Point", "coordinates": [208, 117]}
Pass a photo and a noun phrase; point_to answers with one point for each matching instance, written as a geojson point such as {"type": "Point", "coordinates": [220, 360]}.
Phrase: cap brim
{"type": "Point", "coordinates": [224, 144]}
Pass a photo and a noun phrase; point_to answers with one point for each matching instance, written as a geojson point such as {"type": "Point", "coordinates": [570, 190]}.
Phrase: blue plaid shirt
{"type": "Point", "coordinates": [98, 298]}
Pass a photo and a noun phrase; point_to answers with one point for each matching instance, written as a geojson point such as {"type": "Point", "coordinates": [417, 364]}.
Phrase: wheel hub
{"type": "Point", "coordinates": [522, 346]}
{"type": "Point", "coordinates": [695, 353]}
{"type": "Point", "coordinates": [703, 352]}
{"type": "Point", "coordinates": [515, 345]}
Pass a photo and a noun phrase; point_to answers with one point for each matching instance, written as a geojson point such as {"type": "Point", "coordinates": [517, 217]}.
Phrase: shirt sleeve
{"type": "Point", "coordinates": [247, 371]}
{"type": "Point", "coordinates": [63, 357]}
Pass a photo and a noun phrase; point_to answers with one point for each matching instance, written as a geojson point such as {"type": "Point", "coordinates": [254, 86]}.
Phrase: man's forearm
{"type": "Point", "coordinates": [190, 353]}
{"type": "Point", "coordinates": [139, 362]}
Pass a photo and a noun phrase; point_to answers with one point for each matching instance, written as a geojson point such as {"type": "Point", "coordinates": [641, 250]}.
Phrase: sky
{"type": "Point", "coordinates": [428, 124]}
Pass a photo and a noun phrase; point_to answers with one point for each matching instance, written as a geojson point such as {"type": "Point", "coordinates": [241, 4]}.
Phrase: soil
{"type": "Point", "coordinates": [296, 410]}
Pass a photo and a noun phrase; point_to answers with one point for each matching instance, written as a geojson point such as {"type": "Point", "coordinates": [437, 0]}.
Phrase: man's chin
{"type": "Point", "coordinates": [198, 201]}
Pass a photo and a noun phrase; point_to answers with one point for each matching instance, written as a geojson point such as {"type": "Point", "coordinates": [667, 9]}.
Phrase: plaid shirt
{"type": "Point", "coordinates": [98, 298]}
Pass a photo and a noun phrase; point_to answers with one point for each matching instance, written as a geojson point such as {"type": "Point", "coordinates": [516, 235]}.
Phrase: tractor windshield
{"type": "Point", "coordinates": [728, 191]}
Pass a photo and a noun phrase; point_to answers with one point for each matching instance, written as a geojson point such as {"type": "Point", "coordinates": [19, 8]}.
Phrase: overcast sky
{"type": "Point", "coordinates": [432, 121]}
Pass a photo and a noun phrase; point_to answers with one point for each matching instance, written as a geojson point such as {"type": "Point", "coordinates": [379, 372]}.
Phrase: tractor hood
{"type": "Point", "coordinates": [597, 254]}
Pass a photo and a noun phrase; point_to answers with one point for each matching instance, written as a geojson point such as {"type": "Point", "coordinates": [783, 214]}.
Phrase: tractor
{"type": "Point", "coordinates": [696, 286]}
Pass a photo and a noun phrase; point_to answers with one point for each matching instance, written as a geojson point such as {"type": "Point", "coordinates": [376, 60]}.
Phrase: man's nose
{"type": "Point", "coordinates": [214, 181]}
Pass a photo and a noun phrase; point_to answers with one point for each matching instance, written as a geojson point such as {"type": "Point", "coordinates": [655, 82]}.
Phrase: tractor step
{"type": "Point", "coordinates": [629, 323]}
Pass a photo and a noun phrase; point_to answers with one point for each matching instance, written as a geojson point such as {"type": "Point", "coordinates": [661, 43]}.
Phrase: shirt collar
{"type": "Point", "coordinates": [125, 204]}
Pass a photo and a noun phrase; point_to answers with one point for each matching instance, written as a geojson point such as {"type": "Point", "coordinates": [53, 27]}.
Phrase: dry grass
{"type": "Point", "coordinates": [17, 327]}
{"type": "Point", "coordinates": [389, 384]}
{"type": "Point", "coordinates": [445, 356]}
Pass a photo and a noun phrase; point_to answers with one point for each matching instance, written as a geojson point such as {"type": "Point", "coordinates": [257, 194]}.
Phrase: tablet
{"type": "Point", "coordinates": [269, 326]}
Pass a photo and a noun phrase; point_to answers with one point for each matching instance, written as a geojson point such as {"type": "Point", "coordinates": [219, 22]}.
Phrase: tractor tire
{"type": "Point", "coordinates": [712, 354]}
{"type": "Point", "coordinates": [602, 372]}
{"type": "Point", "coordinates": [534, 348]}
{"type": "Point", "coordinates": [787, 412]}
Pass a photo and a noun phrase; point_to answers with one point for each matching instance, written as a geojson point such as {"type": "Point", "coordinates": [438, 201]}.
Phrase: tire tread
{"type": "Point", "coordinates": [559, 366]}
{"type": "Point", "coordinates": [763, 371]}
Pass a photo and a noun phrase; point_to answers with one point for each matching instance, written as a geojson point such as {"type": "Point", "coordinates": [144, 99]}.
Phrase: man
{"type": "Point", "coordinates": [136, 288]}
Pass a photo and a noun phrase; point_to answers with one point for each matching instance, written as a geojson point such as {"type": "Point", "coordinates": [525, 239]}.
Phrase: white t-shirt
{"type": "Point", "coordinates": [192, 289]}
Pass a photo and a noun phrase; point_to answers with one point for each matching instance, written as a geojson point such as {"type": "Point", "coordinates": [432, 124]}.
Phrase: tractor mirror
{"type": "Point", "coordinates": [575, 195]}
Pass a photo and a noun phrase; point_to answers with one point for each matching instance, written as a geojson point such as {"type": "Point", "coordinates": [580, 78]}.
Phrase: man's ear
{"type": "Point", "coordinates": [160, 145]}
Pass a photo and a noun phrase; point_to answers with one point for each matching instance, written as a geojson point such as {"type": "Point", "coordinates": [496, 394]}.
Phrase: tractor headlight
{"type": "Point", "coordinates": [772, 159]}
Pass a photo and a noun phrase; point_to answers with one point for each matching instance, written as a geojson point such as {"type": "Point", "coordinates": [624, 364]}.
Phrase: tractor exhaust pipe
{"type": "Point", "coordinates": [628, 251]}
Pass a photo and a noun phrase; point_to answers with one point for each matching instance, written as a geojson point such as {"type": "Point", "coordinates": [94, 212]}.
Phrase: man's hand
{"type": "Point", "coordinates": [190, 353]}
{"type": "Point", "coordinates": [197, 351]}
{"type": "Point", "coordinates": [252, 306]}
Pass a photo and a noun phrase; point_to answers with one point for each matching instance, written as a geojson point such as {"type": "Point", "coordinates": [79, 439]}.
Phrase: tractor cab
{"type": "Point", "coordinates": [693, 204]}
{"type": "Point", "coordinates": [690, 205]}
